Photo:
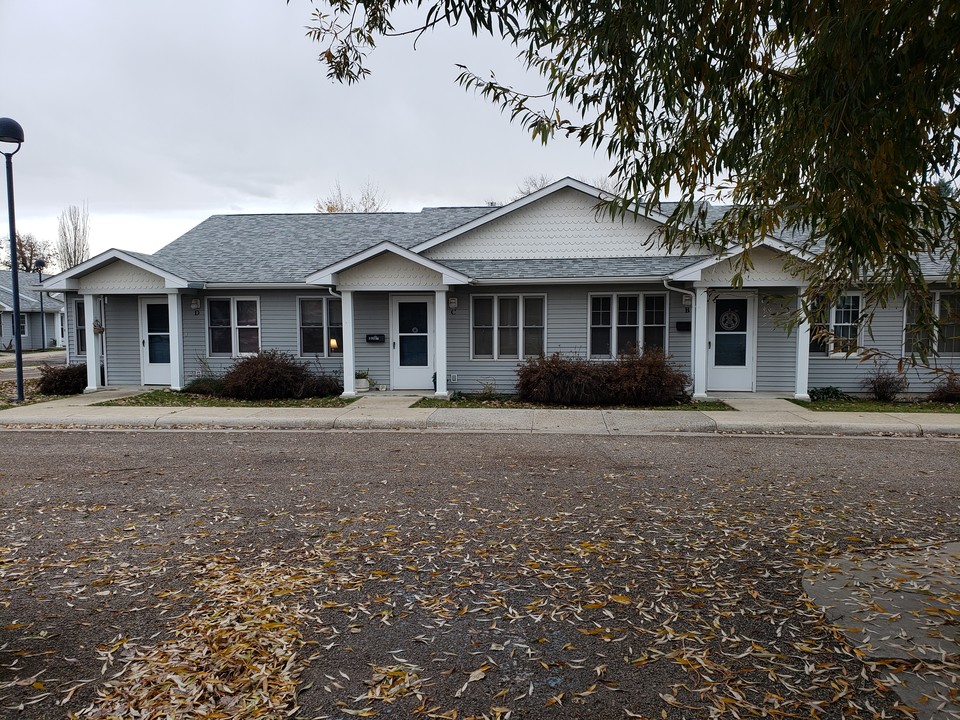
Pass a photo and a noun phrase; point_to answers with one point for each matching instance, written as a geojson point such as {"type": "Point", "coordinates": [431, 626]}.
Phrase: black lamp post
{"type": "Point", "coordinates": [11, 132]}
{"type": "Point", "coordinates": [39, 264]}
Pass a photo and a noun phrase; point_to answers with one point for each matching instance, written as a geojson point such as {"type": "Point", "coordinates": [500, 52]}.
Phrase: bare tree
{"type": "Point", "coordinates": [371, 199]}
{"type": "Point", "coordinates": [29, 250]}
{"type": "Point", "coordinates": [73, 237]}
{"type": "Point", "coordinates": [530, 184]}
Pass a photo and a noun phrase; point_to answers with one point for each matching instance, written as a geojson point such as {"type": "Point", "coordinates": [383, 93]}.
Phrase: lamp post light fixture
{"type": "Point", "coordinates": [11, 133]}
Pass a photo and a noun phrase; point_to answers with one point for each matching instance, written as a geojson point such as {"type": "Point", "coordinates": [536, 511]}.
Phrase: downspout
{"type": "Point", "coordinates": [693, 321]}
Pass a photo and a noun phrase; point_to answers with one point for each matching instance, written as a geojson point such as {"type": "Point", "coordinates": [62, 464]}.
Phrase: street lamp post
{"type": "Point", "coordinates": [39, 264]}
{"type": "Point", "coordinates": [11, 132]}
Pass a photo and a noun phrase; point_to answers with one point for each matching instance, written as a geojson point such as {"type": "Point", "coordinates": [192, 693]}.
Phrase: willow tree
{"type": "Point", "coordinates": [831, 122]}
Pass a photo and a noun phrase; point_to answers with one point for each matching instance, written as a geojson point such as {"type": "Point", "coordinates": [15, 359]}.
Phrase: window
{"type": "Point", "coordinates": [946, 308]}
{"type": "Point", "coordinates": [321, 326]}
{"type": "Point", "coordinates": [80, 331]}
{"type": "Point", "coordinates": [23, 323]}
{"type": "Point", "coordinates": [233, 326]}
{"type": "Point", "coordinates": [838, 333]}
{"type": "Point", "coordinates": [641, 322]}
{"type": "Point", "coordinates": [504, 325]}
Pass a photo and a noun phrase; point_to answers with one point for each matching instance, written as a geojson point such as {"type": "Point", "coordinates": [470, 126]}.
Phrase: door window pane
{"type": "Point", "coordinates": [158, 318]}
{"type": "Point", "coordinates": [731, 315]}
{"type": "Point", "coordinates": [414, 351]}
{"type": "Point", "coordinates": [158, 348]}
{"type": "Point", "coordinates": [730, 350]}
{"type": "Point", "coordinates": [412, 317]}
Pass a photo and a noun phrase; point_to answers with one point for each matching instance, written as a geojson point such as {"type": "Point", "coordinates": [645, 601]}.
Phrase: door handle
{"type": "Point", "coordinates": [394, 344]}
{"type": "Point", "coordinates": [143, 342]}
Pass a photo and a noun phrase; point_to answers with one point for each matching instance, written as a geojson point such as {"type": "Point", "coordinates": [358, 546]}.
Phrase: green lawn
{"type": "Point", "coordinates": [858, 405]}
{"type": "Point", "coordinates": [171, 398]}
{"type": "Point", "coordinates": [509, 402]}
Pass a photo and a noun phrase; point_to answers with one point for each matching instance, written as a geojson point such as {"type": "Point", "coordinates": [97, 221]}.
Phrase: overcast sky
{"type": "Point", "coordinates": [158, 115]}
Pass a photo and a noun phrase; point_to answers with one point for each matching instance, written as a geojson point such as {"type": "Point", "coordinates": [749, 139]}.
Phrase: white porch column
{"type": "Point", "coordinates": [94, 359]}
{"type": "Point", "coordinates": [700, 345]}
{"type": "Point", "coordinates": [349, 341]}
{"type": "Point", "coordinates": [440, 342]}
{"type": "Point", "coordinates": [176, 340]}
{"type": "Point", "coordinates": [803, 354]}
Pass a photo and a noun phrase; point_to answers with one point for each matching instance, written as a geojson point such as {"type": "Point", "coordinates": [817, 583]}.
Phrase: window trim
{"type": "Point", "coordinates": [326, 327]}
{"type": "Point", "coordinates": [641, 296]}
{"type": "Point", "coordinates": [830, 353]}
{"type": "Point", "coordinates": [934, 350]}
{"type": "Point", "coordinates": [78, 328]}
{"type": "Point", "coordinates": [520, 327]}
{"type": "Point", "coordinates": [234, 339]}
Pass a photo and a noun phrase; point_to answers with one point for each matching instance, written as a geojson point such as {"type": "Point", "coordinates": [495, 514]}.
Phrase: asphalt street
{"type": "Point", "coordinates": [452, 576]}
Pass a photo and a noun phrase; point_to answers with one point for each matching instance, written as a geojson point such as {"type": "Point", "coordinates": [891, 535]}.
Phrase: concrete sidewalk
{"type": "Point", "coordinates": [380, 411]}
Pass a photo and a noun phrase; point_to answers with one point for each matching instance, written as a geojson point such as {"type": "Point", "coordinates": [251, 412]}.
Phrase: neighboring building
{"type": "Point", "coordinates": [462, 295]}
{"type": "Point", "coordinates": [35, 328]}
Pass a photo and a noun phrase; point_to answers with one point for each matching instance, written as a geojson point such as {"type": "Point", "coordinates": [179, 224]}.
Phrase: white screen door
{"type": "Point", "coordinates": [154, 341]}
{"type": "Point", "coordinates": [411, 347]}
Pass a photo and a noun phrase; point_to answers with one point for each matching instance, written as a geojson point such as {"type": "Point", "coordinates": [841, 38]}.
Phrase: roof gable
{"type": "Point", "coordinates": [407, 269]}
{"type": "Point", "coordinates": [135, 272]}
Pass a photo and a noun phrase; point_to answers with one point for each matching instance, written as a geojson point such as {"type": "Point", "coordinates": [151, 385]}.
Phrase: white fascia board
{"type": "Point", "coordinates": [68, 279]}
{"type": "Point", "coordinates": [254, 286]}
{"type": "Point", "coordinates": [693, 272]}
{"type": "Point", "coordinates": [607, 280]}
{"type": "Point", "coordinates": [325, 276]}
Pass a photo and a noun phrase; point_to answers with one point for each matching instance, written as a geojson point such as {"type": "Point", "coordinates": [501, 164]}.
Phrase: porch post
{"type": "Point", "coordinates": [176, 338]}
{"type": "Point", "coordinates": [90, 307]}
{"type": "Point", "coordinates": [349, 362]}
{"type": "Point", "coordinates": [700, 345]}
{"type": "Point", "coordinates": [440, 342]}
{"type": "Point", "coordinates": [803, 354]}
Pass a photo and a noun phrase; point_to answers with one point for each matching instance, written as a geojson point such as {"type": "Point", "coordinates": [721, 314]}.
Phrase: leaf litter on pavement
{"type": "Point", "coordinates": [463, 608]}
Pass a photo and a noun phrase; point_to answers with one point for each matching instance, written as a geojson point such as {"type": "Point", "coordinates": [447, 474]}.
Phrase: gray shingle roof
{"type": "Point", "coordinates": [29, 299]}
{"type": "Point", "coordinates": [287, 248]}
{"type": "Point", "coordinates": [573, 268]}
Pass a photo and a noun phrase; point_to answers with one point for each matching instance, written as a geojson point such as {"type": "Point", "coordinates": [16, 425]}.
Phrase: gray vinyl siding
{"type": "Point", "coordinates": [371, 313]}
{"type": "Point", "coordinates": [278, 330]}
{"type": "Point", "coordinates": [121, 318]}
{"type": "Point", "coordinates": [886, 335]}
{"type": "Point", "coordinates": [776, 350]}
{"type": "Point", "coordinates": [567, 309]}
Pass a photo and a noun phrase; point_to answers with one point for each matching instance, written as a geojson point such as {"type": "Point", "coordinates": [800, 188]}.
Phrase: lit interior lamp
{"type": "Point", "coordinates": [334, 346]}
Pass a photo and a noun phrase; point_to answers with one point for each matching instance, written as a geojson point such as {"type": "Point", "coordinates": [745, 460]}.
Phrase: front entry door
{"type": "Point", "coordinates": [411, 347]}
{"type": "Point", "coordinates": [731, 342]}
{"type": "Point", "coordinates": [154, 341]}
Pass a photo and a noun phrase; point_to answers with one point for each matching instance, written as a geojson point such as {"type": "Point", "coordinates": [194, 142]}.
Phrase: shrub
{"type": "Point", "coordinates": [821, 394]}
{"type": "Point", "coordinates": [947, 390]}
{"type": "Point", "coordinates": [268, 375]}
{"type": "Point", "coordinates": [62, 379]}
{"type": "Point", "coordinates": [206, 385]}
{"type": "Point", "coordinates": [646, 379]}
{"type": "Point", "coordinates": [884, 385]}
{"type": "Point", "coordinates": [324, 385]}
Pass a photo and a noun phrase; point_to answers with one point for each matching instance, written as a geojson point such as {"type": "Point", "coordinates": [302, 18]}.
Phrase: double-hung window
{"type": "Point", "coordinates": [233, 326]}
{"type": "Point", "coordinates": [838, 334]}
{"type": "Point", "coordinates": [627, 323]}
{"type": "Point", "coordinates": [23, 323]}
{"type": "Point", "coordinates": [78, 326]}
{"type": "Point", "coordinates": [508, 327]}
{"type": "Point", "coordinates": [321, 326]}
{"type": "Point", "coordinates": [946, 308]}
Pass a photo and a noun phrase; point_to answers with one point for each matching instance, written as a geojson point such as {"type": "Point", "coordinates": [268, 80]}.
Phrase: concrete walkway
{"type": "Point", "coordinates": [389, 411]}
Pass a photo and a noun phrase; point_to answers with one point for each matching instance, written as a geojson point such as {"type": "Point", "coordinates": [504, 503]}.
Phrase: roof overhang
{"type": "Point", "coordinates": [327, 275]}
{"type": "Point", "coordinates": [693, 273]}
{"type": "Point", "coordinates": [70, 279]}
